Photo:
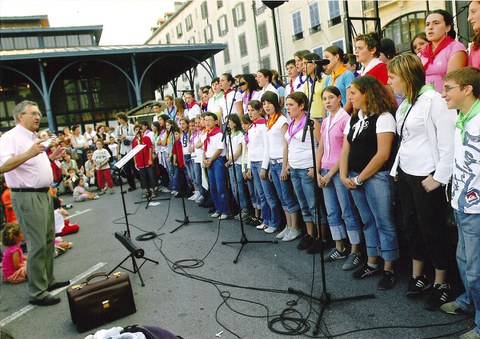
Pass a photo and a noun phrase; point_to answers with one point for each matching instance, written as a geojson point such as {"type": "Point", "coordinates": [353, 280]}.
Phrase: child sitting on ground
{"type": "Point", "coordinates": [81, 194]}
{"type": "Point", "coordinates": [62, 225]}
{"type": "Point", "coordinates": [14, 263]}
{"type": "Point", "coordinates": [71, 179]}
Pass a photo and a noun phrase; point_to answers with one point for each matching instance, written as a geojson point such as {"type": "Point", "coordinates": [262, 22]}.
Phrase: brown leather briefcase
{"type": "Point", "coordinates": [94, 303]}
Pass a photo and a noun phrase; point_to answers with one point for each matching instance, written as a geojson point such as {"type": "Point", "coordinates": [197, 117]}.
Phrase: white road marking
{"type": "Point", "coordinates": [28, 308]}
{"type": "Point", "coordinates": [78, 213]}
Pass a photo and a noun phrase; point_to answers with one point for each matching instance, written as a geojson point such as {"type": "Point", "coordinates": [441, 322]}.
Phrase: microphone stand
{"type": "Point", "coordinates": [243, 240]}
{"type": "Point", "coordinates": [325, 298]}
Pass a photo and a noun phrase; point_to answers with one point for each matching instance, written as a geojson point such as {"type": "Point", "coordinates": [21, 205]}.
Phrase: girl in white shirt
{"type": "Point", "coordinates": [424, 165]}
{"type": "Point", "coordinates": [232, 99]}
{"type": "Point", "coordinates": [278, 157]}
{"type": "Point", "coordinates": [264, 80]}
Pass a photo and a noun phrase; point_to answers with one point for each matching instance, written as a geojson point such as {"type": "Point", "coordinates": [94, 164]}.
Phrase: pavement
{"type": "Point", "coordinates": [196, 291]}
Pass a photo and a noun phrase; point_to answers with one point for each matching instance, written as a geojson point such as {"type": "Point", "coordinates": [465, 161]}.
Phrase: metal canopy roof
{"type": "Point", "coordinates": [168, 61]}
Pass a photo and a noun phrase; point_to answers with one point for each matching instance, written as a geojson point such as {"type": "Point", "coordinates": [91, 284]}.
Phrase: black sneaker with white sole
{"type": "Point", "coordinates": [387, 280]}
{"type": "Point", "coordinates": [417, 285]}
{"type": "Point", "coordinates": [437, 296]}
{"type": "Point", "coordinates": [365, 271]}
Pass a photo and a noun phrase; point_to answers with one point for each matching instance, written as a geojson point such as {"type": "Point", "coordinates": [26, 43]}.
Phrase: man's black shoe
{"type": "Point", "coordinates": [48, 301]}
{"type": "Point", "coordinates": [58, 284]}
{"type": "Point", "coordinates": [131, 189]}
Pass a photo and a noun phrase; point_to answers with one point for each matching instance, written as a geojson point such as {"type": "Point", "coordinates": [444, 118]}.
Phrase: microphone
{"type": "Point", "coordinates": [321, 62]}
{"type": "Point", "coordinates": [239, 85]}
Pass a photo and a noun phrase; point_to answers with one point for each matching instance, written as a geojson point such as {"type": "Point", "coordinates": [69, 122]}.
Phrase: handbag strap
{"type": "Point", "coordinates": [401, 129]}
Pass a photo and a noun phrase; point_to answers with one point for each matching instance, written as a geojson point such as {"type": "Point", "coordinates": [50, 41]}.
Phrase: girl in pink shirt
{"type": "Point", "coordinates": [14, 263]}
{"type": "Point", "coordinates": [342, 216]}
{"type": "Point", "coordinates": [442, 54]}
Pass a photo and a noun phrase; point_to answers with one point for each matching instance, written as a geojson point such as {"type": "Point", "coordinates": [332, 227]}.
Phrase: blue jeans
{"type": "Point", "coordinates": [468, 260]}
{"type": "Point", "coordinates": [189, 163]}
{"type": "Point", "coordinates": [305, 192]}
{"type": "Point", "coordinates": [284, 189]}
{"type": "Point", "coordinates": [271, 216]}
{"type": "Point", "coordinates": [374, 202]}
{"type": "Point", "coordinates": [253, 196]}
{"type": "Point", "coordinates": [171, 175]}
{"type": "Point", "coordinates": [197, 170]}
{"type": "Point", "coordinates": [217, 177]}
{"type": "Point", "coordinates": [241, 192]}
{"type": "Point", "coordinates": [341, 211]}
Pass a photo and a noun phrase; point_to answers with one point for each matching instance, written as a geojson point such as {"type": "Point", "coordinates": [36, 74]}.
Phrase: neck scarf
{"type": "Point", "coordinates": [427, 51]}
{"type": "Point", "coordinates": [300, 82]}
{"type": "Point", "coordinates": [336, 74]}
{"type": "Point", "coordinates": [424, 88]}
{"type": "Point", "coordinates": [259, 121]}
{"type": "Point", "coordinates": [194, 102]}
{"type": "Point", "coordinates": [228, 91]}
{"type": "Point", "coordinates": [294, 129]}
{"type": "Point", "coordinates": [291, 86]}
{"type": "Point", "coordinates": [185, 139]}
{"type": "Point", "coordinates": [210, 134]}
{"type": "Point", "coordinates": [463, 118]}
{"type": "Point", "coordinates": [273, 120]}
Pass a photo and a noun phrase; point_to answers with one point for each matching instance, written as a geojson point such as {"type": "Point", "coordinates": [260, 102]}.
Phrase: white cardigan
{"type": "Point", "coordinates": [440, 128]}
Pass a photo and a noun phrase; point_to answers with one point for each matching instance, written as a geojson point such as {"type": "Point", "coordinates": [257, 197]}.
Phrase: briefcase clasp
{"type": "Point", "coordinates": [105, 304]}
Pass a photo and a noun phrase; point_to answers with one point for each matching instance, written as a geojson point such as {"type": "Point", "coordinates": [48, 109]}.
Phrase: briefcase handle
{"type": "Point", "coordinates": [96, 275]}
{"type": "Point", "coordinates": [101, 274]}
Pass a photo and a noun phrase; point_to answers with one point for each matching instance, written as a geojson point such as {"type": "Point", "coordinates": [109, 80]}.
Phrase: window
{"type": "Point", "coordinates": [204, 10]}
{"type": "Point", "coordinates": [245, 69]}
{"type": "Point", "coordinates": [238, 14]}
{"type": "Point", "coordinates": [85, 40]}
{"type": "Point", "coordinates": [219, 4]}
{"type": "Point", "coordinates": [179, 30]}
{"type": "Point", "coordinates": [72, 40]}
{"type": "Point", "coordinates": [222, 25]}
{"type": "Point", "coordinates": [6, 43]}
{"type": "Point", "coordinates": [189, 22]}
{"type": "Point", "coordinates": [404, 28]}
{"type": "Point", "coordinates": [191, 40]}
{"type": "Point", "coordinates": [33, 42]}
{"type": "Point", "coordinates": [20, 42]}
{"type": "Point", "coordinates": [339, 43]}
{"type": "Point", "coordinates": [49, 41]}
{"type": "Point", "coordinates": [226, 56]}
{"type": "Point", "coordinates": [167, 38]}
{"type": "Point", "coordinates": [334, 10]}
{"type": "Point", "coordinates": [60, 41]}
{"type": "Point", "coordinates": [262, 35]}
{"type": "Point", "coordinates": [297, 26]}
{"type": "Point", "coordinates": [265, 62]}
{"type": "Point", "coordinates": [242, 42]}
{"type": "Point", "coordinates": [314, 17]}
{"type": "Point", "coordinates": [207, 32]}
{"type": "Point", "coordinates": [82, 94]}
{"type": "Point", "coordinates": [319, 51]}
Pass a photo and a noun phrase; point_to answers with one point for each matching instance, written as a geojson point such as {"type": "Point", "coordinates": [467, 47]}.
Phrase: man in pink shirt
{"type": "Point", "coordinates": [29, 175]}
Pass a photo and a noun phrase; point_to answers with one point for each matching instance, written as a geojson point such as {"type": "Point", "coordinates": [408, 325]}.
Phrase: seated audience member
{"type": "Point", "coordinates": [418, 42]}
{"type": "Point", "coordinates": [81, 194]}
{"type": "Point", "coordinates": [68, 162]}
{"type": "Point", "coordinates": [461, 90]}
{"type": "Point", "coordinates": [71, 179]}
{"type": "Point", "coordinates": [14, 262]}
{"type": "Point", "coordinates": [114, 150]}
{"type": "Point", "coordinates": [62, 225]}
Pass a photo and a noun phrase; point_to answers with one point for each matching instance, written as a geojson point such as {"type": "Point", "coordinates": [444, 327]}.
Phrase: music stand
{"type": "Point", "coordinates": [126, 239]}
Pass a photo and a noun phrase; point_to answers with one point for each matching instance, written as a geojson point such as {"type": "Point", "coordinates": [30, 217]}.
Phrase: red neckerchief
{"type": "Point", "coordinates": [204, 106]}
{"type": "Point", "coordinates": [260, 121]}
{"type": "Point", "coordinates": [211, 133]}
{"type": "Point", "coordinates": [428, 53]}
{"type": "Point", "coordinates": [291, 86]}
{"type": "Point", "coordinates": [192, 104]}
{"type": "Point", "coordinates": [226, 92]}
{"type": "Point", "coordinates": [273, 120]}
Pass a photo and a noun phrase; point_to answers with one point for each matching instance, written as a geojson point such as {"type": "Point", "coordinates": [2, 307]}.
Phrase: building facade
{"type": "Point", "coordinates": [246, 28]}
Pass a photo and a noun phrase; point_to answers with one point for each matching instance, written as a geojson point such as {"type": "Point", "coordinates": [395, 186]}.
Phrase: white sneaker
{"type": "Point", "coordinates": [215, 215]}
{"type": "Point", "coordinates": [223, 217]}
{"type": "Point", "coordinates": [194, 196]}
{"type": "Point", "coordinates": [165, 190]}
{"type": "Point", "coordinates": [261, 227]}
{"type": "Point", "coordinates": [173, 192]}
{"type": "Point", "coordinates": [293, 234]}
{"type": "Point", "coordinates": [283, 233]}
{"type": "Point", "coordinates": [199, 200]}
{"type": "Point", "coordinates": [270, 230]}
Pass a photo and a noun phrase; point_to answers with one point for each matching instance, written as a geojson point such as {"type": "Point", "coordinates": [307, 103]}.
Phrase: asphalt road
{"type": "Point", "coordinates": [207, 296]}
